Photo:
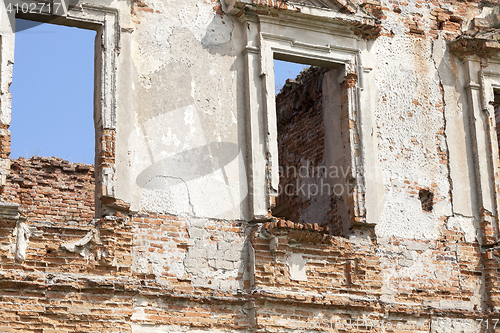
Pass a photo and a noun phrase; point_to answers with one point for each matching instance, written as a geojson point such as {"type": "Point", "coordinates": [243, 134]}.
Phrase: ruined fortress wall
{"type": "Point", "coordinates": [85, 275]}
{"type": "Point", "coordinates": [183, 239]}
{"type": "Point", "coordinates": [156, 273]}
{"type": "Point", "coordinates": [52, 189]}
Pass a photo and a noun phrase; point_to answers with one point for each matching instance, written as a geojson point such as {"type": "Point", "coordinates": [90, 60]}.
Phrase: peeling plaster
{"type": "Point", "coordinates": [296, 265]}
{"type": "Point", "coordinates": [82, 246]}
{"type": "Point", "coordinates": [22, 233]}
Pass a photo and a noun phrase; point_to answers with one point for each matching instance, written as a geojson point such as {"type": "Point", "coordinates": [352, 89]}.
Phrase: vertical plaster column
{"type": "Point", "coordinates": [257, 179]}
{"type": "Point", "coordinates": [270, 119]}
{"type": "Point", "coordinates": [6, 65]}
{"type": "Point", "coordinates": [482, 152]}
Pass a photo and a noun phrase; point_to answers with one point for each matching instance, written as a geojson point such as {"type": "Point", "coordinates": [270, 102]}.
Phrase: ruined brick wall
{"type": "Point", "coordinates": [112, 274]}
{"type": "Point", "coordinates": [128, 273]}
{"type": "Point", "coordinates": [330, 280]}
{"type": "Point", "coordinates": [304, 173]}
{"type": "Point", "coordinates": [51, 189]}
{"type": "Point", "coordinates": [62, 285]}
{"type": "Point", "coordinates": [175, 260]}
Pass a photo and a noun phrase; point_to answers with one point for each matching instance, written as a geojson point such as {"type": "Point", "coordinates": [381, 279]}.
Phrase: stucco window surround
{"type": "Point", "coordinates": [483, 79]}
{"type": "Point", "coordinates": [105, 21]}
{"type": "Point", "coordinates": [322, 37]}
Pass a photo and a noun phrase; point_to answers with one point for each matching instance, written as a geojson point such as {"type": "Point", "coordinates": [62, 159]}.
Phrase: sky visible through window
{"type": "Point", "coordinates": [52, 93]}
{"type": "Point", "coordinates": [53, 87]}
{"type": "Point", "coordinates": [284, 70]}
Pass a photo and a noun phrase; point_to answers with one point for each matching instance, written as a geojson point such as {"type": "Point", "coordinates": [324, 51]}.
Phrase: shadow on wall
{"type": "Point", "coordinates": [188, 165]}
{"type": "Point", "coordinates": [186, 148]}
{"type": "Point", "coordinates": [182, 172]}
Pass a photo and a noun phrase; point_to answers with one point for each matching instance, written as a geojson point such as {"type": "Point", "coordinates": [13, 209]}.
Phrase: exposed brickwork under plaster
{"type": "Point", "coordinates": [149, 269]}
{"type": "Point", "coordinates": [336, 268]}
{"type": "Point", "coordinates": [85, 277]}
{"type": "Point", "coordinates": [447, 16]}
{"type": "Point", "coordinates": [83, 290]}
{"type": "Point", "coordinates": [4, 141]}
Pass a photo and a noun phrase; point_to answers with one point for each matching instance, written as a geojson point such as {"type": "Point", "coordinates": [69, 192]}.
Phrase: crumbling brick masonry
{"type": "Point", "coordinates": [184, 225]}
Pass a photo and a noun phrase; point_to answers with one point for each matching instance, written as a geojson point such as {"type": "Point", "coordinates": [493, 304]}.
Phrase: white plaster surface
{"type": "Point", "coordinates": [185, 146]}
{"type": "Point", "coordinates": [297, 265]}
{"type": "Point", "coordinates": [410, 124]}
{"type": "Point", "coordinates": [214, 258]}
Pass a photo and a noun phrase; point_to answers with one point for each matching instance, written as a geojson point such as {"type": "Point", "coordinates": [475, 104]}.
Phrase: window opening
{"type": "Point", "coordinates": [52, 92]}
{"type": "Point", "coordinates": [52, 115]}
{"type": "Point", "coordinates": [312, 186]}
{"type": "Point", "coordinates": [285, 73]}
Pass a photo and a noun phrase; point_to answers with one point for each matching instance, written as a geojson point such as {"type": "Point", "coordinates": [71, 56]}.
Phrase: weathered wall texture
{"type": "Point", "coordinates": [182, 237]}
{"type": "Point", "coordinates": [188, 93]}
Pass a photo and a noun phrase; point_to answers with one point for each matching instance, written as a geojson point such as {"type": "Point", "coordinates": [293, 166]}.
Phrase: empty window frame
{"type": "Point", "coordinates": [52, 92]}
{"type": "Point", "coordinates": [105, 22]}
{"type": "Point", "coordinates": [326, 44]}
{"type": "Point", "coordinates": [310, 150]}
{"type": "Point", "coordinates": [52, 115]}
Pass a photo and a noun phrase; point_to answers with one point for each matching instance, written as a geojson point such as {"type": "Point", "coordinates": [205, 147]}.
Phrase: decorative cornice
{"type": "Point", "coordinates": [250, 49]}
{"type": "Point", "coordinates": [9, 210]}
{"type": "Point", "coordinates": [472, 86]}
{"type": "Point", "coordinates": [358, 21]}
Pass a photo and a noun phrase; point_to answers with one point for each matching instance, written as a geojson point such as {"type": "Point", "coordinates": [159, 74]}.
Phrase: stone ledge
{"type": "Point", "coordinates": [484, 45]}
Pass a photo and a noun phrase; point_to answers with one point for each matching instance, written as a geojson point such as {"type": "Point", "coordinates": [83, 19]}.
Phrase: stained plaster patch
{"type": "Point", "coordinates": [297, 266]}
{"type": "Point", "coordinates": [465, 225]}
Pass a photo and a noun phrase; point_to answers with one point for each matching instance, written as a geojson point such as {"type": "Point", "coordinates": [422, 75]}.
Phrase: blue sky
{"type": "Point", "coordinates": [285, 70]}
{"type": "Point", "coordinates": [52, 93]}
{"type": "Point", "coordinates": [53, 87]}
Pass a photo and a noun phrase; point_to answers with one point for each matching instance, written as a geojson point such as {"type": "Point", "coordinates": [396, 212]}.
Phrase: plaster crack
{"type": "Point", "coordinates": [188, 193]}
{"type": "Point", "coordinates": [443, 99]}
{"type": "Point", "coordinates": [461, 215]}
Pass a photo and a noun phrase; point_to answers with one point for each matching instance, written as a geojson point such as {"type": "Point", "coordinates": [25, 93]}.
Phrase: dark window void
{"type": "Point", "coordinates": [52, 92]}
{"type": "Point", "coordinates": [313, 188]}
{"type": "Point", "coordinates": [426, 200]}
